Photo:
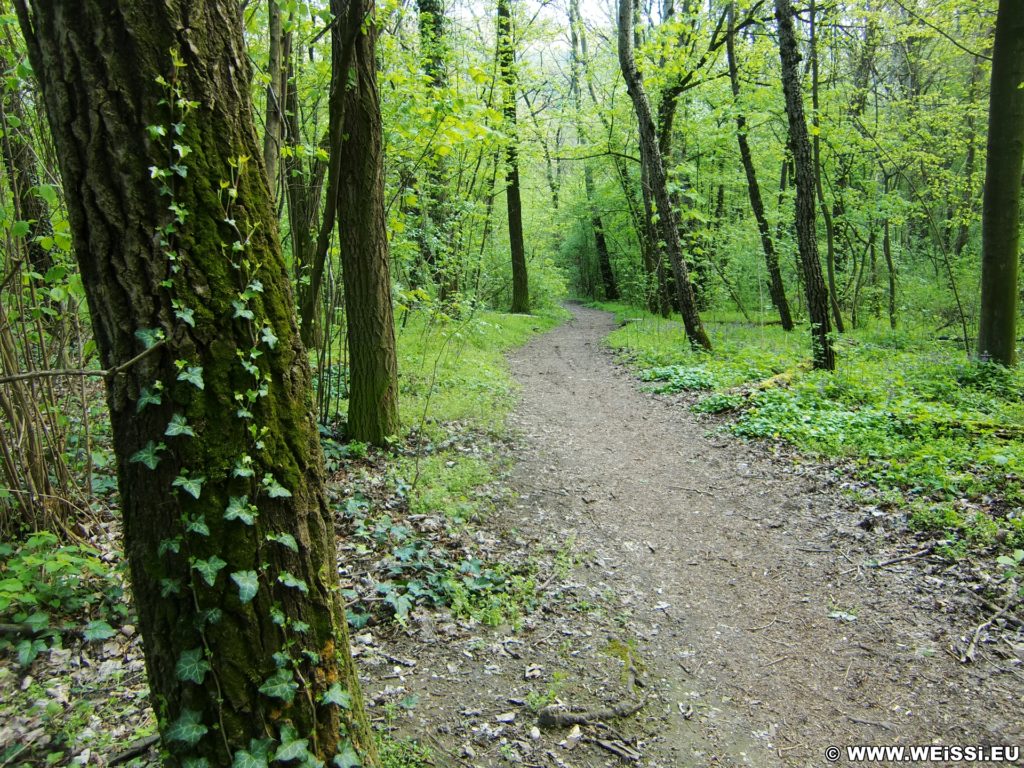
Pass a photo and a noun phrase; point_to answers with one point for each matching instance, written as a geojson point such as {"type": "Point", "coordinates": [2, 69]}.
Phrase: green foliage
{"type": "Point", "coordinates": [44, 584]}
{"type": "Point", "coordinates": [926, 429]}
{"type": "Point", "coordinates": [678, 378]}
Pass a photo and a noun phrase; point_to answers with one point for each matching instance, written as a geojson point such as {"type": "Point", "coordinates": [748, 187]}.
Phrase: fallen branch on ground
{"type": "Point", "coordinates": [553, 717]}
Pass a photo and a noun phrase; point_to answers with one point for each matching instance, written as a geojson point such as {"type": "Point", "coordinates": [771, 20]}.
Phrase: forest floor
{"type": "Point", "coordinates": [664, 594]}
{"type": "Point", "coordinates": [726, 586]}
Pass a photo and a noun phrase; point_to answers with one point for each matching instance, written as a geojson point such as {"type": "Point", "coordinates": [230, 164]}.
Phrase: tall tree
{"type": "Point", "coordinates": [578, 40]}
{"type": "Point", "coordinates": [800, 147]}
{"type": "Point", "coordinates": [226, 526]}
{"type": "Point", "coordinates": [775, 286]}
{"type": "Point", "coordinates": [1000, 223]}
{"type": "Point", "coordinates": [653, 162]}
{"type": "Point", "coordinates": [373, 366]}
{"type": "Point", "coordinates": [509, 82]}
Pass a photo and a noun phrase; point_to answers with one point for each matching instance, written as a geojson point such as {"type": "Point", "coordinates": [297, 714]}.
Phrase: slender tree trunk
{"type": "Point", "coordinates": [830, 230]}
{"type": "Point", "coordinates": [891, 269]}
{"type": "Point", "coordinates": [509, 81]}
{"type": "Point", "coordinates": [775, 285]}
{"type": "Point", "coordinates": [362, 230]}
{"type": "Point", "coordinates": [277, 69]}
{"type": "Point", "coordinates": [1000, 222]}
{"type": "Point", "coordinates": [654, 163]}
{"type": "Point", "coordinates": [800, 146]}
{"type": "Point", "coordinates": [577, 40]}
{"type": "Point", "coordinates": [226, 524]}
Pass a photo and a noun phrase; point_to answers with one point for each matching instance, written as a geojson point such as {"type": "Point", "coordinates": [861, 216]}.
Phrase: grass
{"type": "Point", "coordinates": [939, 437]}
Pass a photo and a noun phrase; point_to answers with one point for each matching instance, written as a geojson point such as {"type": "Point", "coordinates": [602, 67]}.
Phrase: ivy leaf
{"type": "Point", "coordinates": [193, 486]}
{"type": "Point", "coordinates": [192, 666]}
{"type": "Point", "coordinates": [187, 315]}
{"type": "Point", "coordinates": [347, 757]}
{"type": "Point", "coordinates": [241, 310]}
{"type": "Point", "coordinates": [179, 426]}
{"type": "Point", "coordinates": [148, 454]}
{"type": "Point", "coordinates": [337, 696]}
{"type": "Point", "coordinates": [284, 539]}
{"type": "Point", "coordinates": [280, 685]}
{"type": "Point", "coordinates": [97, 630]}
{"type": "Point", "coordinates": [195, 762]}
{"type": "Point", "coordinates": [245, 759]}
{"type": "Point", "coordinates": [147, 397]}
{"type": "Point", "coordinates": [248, 584]}
{"type": "Point", "coordinates": [188, 728]}
{"type": "Point", "coordinates": [292, 750]}
{"type": "Point", "coordinates": [193, 374]}
{"type": "Point", "coordinates": [290, 580]}
{"type": "Point", "coordinates": [209, 569]}
{"type": "Point", "coordinates": [243, 467]}
{"type": "Point", "coordinates": [240, 509]}
{"type": "Point", "coordinates": [274, 489]}
{"type": "Point", "coordinates": [199, 526]}
{"type": "Point", "coordinates": [149, 336]}
{"type": "Point", "coordinates": [170, 587]}
{"type": "Point", "coordinates": [268, 337]}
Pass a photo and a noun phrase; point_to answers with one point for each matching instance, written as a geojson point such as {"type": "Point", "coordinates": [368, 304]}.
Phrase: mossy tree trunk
{"type": "Point", "coordinates": [1000, 220]}
{"type": "Point", "coordinates": [373, 367]}
{"type": "Point", "coordinates": [654, 164]}
{"type": "Point", "coordinates": [513, 199]}
{"type": "Point", "coordinates": [226, 527]}
{"type": "Point", "coordinates": [800, 146]}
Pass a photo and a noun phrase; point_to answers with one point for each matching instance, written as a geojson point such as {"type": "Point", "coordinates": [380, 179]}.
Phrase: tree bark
{"type": "Point", "coordinates": [227, 531]}
{"type": "Point", "coordinates": [362, 229]}
{"type": "Point", "coordinates": [800, 146]}
{"type": "Point", "coordinates": [775, 284]}
{"type": "Point", "coordinates": [653, 161]}
{"type": "Point", "coordinates": [277, 69]}
{"type": "Point", "coordinates": [509, 82]}
{"type": "Point", "coordinates": [1000, 221]}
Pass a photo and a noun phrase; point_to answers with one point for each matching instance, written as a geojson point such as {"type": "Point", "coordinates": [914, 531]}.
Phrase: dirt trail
{"type": "Point", "coordinates": [737, 577]}
{"type": "Point", "coordinates": [743, 576]}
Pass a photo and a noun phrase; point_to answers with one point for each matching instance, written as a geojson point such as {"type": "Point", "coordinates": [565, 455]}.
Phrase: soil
{"type": "Point", "coordinates": [730, 588]}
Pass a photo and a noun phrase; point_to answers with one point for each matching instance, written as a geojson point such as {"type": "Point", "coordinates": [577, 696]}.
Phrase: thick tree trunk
{"type": "Point", "coordinates": [226, 525]}
{"type": "Point", "coordinates": [1000, 221]}
{"type": "Point", "coordinates": [654, 163]}
{"type": "Point", "coordinates": [509, 82]}
{"type": "Point", "coordinates": [800, 146]}
{"type": "Point", "coordinates": [373, 367]}
{"type": "Point", "coordinates": [775, 285]}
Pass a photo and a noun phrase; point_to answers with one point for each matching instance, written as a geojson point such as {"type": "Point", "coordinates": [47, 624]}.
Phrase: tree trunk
{"type": "Point", "coordinates": [277, 70]}
{"type": "Point", "coordinates": [509, 82]}
{"type": "Point", "coordinates": [576, 38]}
{"type": "Point", "coordinates": [654, 163]}
{"type": "Point", "coordinates": [226, 526]}
{"type": "Point", "coordinates": [1000, 221]}
{"type": "Point", "coordinates": [775, 285]}
{"type": "Point", "coordinates": [830, 230]}
{"type": "Point", "coordinates": [362, 230]}
{"type": "Point", "coordinates": [800, 146]}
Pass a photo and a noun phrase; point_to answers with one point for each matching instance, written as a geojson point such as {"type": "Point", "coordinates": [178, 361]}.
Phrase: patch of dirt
{"type": "Point", "coordinates": [728, 589]}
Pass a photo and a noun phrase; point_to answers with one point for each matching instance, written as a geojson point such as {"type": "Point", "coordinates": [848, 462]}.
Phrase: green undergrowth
{"type": "Point", "coordinates": [454, 370]}
{"type": "Point", "coordinates": [937, 437]}
{"type": "Point", "coordinates": [413, 514]}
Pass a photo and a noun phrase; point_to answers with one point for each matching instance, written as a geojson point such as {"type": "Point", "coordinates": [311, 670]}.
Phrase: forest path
{"type": "Point", "coordinates": [741, 578]}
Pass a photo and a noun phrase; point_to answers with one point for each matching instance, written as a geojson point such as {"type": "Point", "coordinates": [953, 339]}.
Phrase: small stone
{"type": "Point", "coordinates": [128, 630]}
{"type": "Point", "coordinates": [506, 717]}
{"type": "Point", "coordinates": [535, 733]}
